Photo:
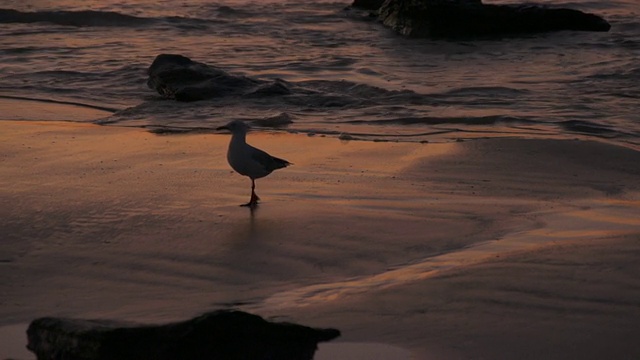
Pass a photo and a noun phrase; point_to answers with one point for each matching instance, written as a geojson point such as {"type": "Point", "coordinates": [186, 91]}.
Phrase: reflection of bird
{"type": "Point", "coordinates": [247, 160]}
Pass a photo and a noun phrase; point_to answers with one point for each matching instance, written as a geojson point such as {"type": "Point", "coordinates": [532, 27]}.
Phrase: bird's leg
{"type": "Point", "coordinates": [254, 197]}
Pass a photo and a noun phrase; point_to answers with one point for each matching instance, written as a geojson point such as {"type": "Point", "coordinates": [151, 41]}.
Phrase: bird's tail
{"type": "Point", "coordinates": [281, 163]}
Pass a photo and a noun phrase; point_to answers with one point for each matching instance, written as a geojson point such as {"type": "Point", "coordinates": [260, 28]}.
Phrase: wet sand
{"type": "Point", "coordinates": [485, 249]}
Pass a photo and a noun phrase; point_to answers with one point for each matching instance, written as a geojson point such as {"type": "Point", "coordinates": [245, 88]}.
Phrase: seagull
{"type": "Point", "coordinates": [247, 160]}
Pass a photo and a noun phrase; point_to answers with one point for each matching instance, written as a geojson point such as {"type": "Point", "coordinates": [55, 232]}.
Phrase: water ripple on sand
{"type": "Point", "coordinates": [605, 218]}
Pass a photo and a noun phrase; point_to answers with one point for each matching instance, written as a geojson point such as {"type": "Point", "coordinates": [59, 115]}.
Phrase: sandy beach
{"type": "Point", "coordinates": [483, 249]}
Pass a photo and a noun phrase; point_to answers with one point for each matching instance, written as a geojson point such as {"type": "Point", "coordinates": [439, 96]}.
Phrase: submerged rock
{"type": "Point", "coordinates": [224, 334]}
{"type": "Point", "coordinates": [472, 18]}
{"type": "Point", "coordinates": [180, 78]}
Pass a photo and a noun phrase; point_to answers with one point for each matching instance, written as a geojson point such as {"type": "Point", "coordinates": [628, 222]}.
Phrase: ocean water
{"type": "Point", "coordinates": [361, 80]}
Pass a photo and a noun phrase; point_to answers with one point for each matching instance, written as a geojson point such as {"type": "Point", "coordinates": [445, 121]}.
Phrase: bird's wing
{"type": "Point", "coordinates": [269, 162]}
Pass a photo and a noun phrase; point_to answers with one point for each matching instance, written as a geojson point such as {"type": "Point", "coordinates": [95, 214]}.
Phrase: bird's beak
{"type": "Point", "coordinates": [225, 127]}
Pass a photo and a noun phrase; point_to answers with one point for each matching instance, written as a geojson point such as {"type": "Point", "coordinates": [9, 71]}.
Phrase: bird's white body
{"type": "Point", "coordinates": [241, 158]}
{"type": "Point", "coordinates": [247, 160]}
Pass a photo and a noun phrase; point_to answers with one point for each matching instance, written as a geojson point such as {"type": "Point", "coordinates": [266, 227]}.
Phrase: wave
{"type": "Point", "coordinates": [73, 18]}
{"type": "Point", "coordinates": [229, 12]}
{"type": "Point", "coordinates": [218, 15]}
{"type": "Point", "coordinates": [453, 120]}
{"type": "Point", "coordinates": [367, 111]}
{"type": "Point", "coordinates": [485, 91]}
{"type": "Point", "coordinates": [61, 102]}
{"type": "Point", "coordinates": [94, 18]}
{"type": "Point", "coordinates": [588, 127]}
{"type": "Point", "coordinates": [346, 108]}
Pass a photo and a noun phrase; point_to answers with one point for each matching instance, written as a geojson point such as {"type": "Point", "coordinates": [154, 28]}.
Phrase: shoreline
{"type": "Point", "coordinates": [120, 223]}
{"type": "Point", "coordinates": [17, 108]}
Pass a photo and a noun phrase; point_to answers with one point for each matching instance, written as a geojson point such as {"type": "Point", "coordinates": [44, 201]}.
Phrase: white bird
{"type": "Point", "coordinates": [247, 160]}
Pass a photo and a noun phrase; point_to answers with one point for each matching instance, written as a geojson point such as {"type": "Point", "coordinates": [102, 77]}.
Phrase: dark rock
{"type": "Point", "coordinates": [72, 18]}
{"type": "Point", "coordinates": [180, 78]}
{"type": "Point", "coordinates": [367, 4]}
{"type": "Point", "coordinates": [471, 18]}
{"type": "Point", "coordinates": [225, 335]}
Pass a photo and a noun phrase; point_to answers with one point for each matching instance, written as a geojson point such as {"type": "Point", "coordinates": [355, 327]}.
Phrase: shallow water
{"type": "Point", "coordinates": [603, 216]}
{"type": "Point", "coordinates": [360, 78]}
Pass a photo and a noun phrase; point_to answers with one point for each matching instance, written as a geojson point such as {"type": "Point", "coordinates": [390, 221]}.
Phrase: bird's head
{"type": "Point", "coordinates": [235, 126]}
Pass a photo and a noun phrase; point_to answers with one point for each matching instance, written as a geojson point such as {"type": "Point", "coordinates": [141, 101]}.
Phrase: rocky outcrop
{"type": "Point", "coordinates": [180, 78]}
{"type": "Point", "coordinates": [224, 335]}
{"type": "Point", "coordinates": [472, 18]}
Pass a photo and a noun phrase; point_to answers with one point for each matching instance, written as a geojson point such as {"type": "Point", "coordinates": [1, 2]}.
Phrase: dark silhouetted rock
{"type": "Point", "coordinates": [367, 4]}
{"type": "Point", "coordinates": [180, 78]}
{"type": "Point", "coordinates": [219, 335]}
{"type": "Point", "coordinates": [471, 18]}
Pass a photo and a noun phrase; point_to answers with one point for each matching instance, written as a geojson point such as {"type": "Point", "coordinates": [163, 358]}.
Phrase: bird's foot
{"type": "Point", "coordinates": [253, 202]}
